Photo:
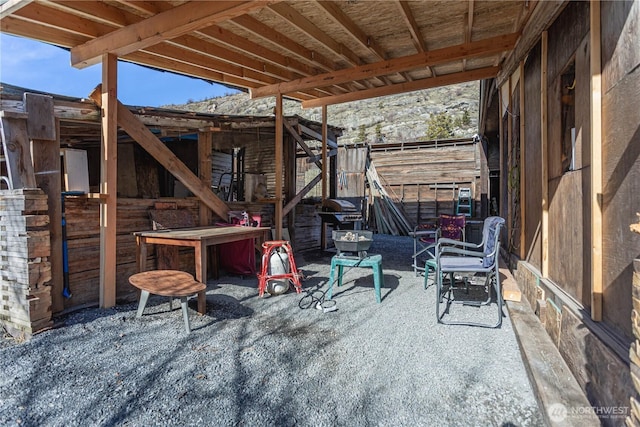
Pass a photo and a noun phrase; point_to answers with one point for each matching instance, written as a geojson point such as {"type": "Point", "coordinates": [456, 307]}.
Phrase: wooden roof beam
{"type": "Point", "coordinates": [445, 55]}
{"type": "Point", "coordinates": [337, 16]}
{"type": "Point", "coordinates": [264, 32]}
{"type": "Point", "coordinates": [414, 30]}
{"type": "Point", "coordinates": [12, 6]}
{"type": "Point", "coordinates": [173, 23]}
{"type": "Point", "coordinates": [468, 28]}
{"type": "Point", "coordinates": [303, 24]}
{"type": "Point", "coordinates": [366, 41]}
{"type": "Point", "coordinates": [445, 80]}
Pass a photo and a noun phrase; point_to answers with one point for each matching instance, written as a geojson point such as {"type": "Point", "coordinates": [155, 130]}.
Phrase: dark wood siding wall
{"type": "Point", "coordinates": [621, 155]}
{"type": "Point", "coordinates": [569, 204]}
{"type": "Point", "coordinates": [533, 156]}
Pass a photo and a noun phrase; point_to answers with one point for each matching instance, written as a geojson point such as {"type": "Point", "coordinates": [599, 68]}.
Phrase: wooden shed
{"type": "Point", "coordinates": [561, 87]}
{"type": "Point", "coordinates": [229, 157]}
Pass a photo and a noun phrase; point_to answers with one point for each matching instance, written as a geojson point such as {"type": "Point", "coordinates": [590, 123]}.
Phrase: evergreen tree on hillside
{"type": "Point", "coordinates": [362, 134]}
{"type": "Point", "coordinates": [439, 126]}
{"type": "Point", "coordinates": [379, 133]}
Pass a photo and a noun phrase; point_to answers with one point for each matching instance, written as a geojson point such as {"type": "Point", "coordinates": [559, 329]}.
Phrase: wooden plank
{"type": "Point", "coordinates": [445, 80]}
{"type": "Point", "coordinates": [41, 123]}
{"type": "Point", "coordinates": [325, 143]}
{"type": "Point", "coordinates": [298, 197]}
{"type": "Point", "coordinates": [17, 152]}
{"type": "Point", "coordinates": [108, 179]}
{"type": "Point", "coordinates": [317, 136]}
{"type": "Point", "coordinates": [279, 159]}
{"type": "Point", "coordinates": [167, 25]}
{"type": "Point", "coordinates": [407, 63]}
{"type": "Point", "coordinates": [301, 142]}
{"type": "Point", "coordinates": [522, 161]}
{"type": "Point", "coordinates": [205, 147]}
{"type": "Point", "coordinates": [46, 163]}
{"type": "Point", "coordinates": [165, 157]}
{"type": "Point", "coordinates": [127, 171]}
{"type": "Point", "coordinates": [596, 162]}
{"type": "Point", "coordinates": [544, 150]}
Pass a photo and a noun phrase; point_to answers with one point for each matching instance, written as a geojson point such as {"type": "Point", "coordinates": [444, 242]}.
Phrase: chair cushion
{"type": "Point", "coordinates": [492, 224]}
{"type": "Point", "coordinates": [457, 264]}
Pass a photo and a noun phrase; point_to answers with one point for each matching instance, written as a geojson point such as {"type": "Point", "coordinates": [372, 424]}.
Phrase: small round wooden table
{"type": "Point", "coordinates": [168, 283]}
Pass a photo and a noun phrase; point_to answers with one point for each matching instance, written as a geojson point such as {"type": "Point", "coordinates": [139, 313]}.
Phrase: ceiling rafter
{"type": "Point", "coordinates": [491, 45]}
{"type": "Point", "coordinates": [428, 83]}
{"type": "Point", "coordinates": [310, 29]}
{"type": "Point", "coordinates": [57, 19]}
{"type": "Point", "coordinates": [338, 16]}
{"type": "Point", "coordinates": [414, 31]}
{"type": "Point", "coordinates": [219, 37]}
{"type": "Point", "coordinates": [297, 20]}
{"type": "Point", "coordinates": [248, 74]}
{"type": "Point", "coordinates": [12, 6]}
{"type": "Point", "coordinates": [93, 11]}
{"type": "Point", "coordinates": [224, 60]}
{"type": "Point", "coordinates": [264, 32]}
{"type": "Point", "coordinates": [468, 29]}
{"type": "Point", "coordinates": [178, 21]}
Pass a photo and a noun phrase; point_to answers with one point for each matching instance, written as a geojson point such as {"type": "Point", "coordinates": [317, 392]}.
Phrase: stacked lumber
{"type": "Point", "coordinates": [25, 291]}
{"type": "Point", "coordinates": [385, 216]}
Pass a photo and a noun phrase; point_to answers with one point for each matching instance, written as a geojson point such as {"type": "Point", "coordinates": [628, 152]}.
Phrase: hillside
{"type": "Point", "coordinates": [399, 118]}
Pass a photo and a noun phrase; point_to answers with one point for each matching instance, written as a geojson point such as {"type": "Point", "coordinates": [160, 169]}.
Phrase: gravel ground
{"type": "Point", "coordinates": [265, 361]}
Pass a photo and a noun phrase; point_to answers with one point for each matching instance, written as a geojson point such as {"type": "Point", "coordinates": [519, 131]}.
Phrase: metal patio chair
{"type": "Point", "coordinates": [453, 256]}
{"type": "Point", "coordinates": [425, 236]}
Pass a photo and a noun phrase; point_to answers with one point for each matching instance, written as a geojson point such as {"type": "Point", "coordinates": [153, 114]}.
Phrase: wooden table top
{"type": "Point", "coordinates": [170, 283]}
{"type": "Point", "coordinates": [203, 233]}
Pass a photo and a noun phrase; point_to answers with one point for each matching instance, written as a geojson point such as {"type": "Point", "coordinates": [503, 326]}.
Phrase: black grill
{"type": "Point", "coordinates": [343, 214]}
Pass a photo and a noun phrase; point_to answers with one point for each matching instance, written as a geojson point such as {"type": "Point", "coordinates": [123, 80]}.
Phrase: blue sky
{"type": "Point", "coordinates": [40, 66]}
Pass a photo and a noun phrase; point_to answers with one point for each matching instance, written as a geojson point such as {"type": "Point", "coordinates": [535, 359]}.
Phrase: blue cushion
{"type": "Point", "coordinates": [492, 224]}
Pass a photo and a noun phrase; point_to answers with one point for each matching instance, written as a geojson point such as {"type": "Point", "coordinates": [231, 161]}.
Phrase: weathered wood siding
{"type": "Point", "coordinates": [621, 156]}
{"type": "Point", "coordinates": [533, 155]}
{"type": "Point", "coordinates": [569, 201]}
{"type": "Point", "coordinates": [426, 178]}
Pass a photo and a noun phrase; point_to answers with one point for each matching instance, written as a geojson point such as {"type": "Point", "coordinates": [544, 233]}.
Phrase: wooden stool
{"type": "Point", "coordinates": [264, 276]}
{"type": "Point", "coordinates": [168, 283]}
{"type": "Point", "coordinates": [372, 261]}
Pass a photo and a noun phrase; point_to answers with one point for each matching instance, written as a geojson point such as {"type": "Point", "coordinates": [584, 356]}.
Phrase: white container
{"type": "Point", "coordinates": [278, 264]}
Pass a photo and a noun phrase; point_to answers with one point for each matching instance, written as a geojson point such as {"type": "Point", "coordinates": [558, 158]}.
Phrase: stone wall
{"type": "Point", "coordinates": [586, 346]}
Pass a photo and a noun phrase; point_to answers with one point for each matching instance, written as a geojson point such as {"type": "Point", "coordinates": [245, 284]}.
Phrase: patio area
{"type": "Point", "coordinates": [266, 361]}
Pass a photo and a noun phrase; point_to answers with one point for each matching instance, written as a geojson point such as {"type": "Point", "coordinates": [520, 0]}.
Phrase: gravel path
{"type": "Point", "coordinates": [267, 362]}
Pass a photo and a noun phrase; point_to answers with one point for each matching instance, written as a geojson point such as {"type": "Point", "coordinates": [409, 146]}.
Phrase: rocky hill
{"type": "Point", "coordinates": [397, 118]}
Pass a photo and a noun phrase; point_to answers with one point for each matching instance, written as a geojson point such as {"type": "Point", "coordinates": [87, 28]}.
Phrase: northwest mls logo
{"type": "Point", "coordinates": [557, 412]}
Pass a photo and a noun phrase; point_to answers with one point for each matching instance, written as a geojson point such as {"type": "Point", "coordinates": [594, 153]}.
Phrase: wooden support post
{"type": "Point", "coordinates": [503, 173]}
{"type": "Point", "coordinates": [596, 163]}
{"type": "Point", "coordinates": [108, 180]}
{"type": "Point", "coordinates": [44, 133]}
{"type": "Point", "coordinates": [510, 206]}
{"type": "Point", "coordinates": [279, 167]}
{"type": "Point", "coordinates": [523, 207]}
{"type": "Point", "coordinates": [544, 154]}
{"type": "Point", "coordinates": [325, 185]}
{"type": "Point", "coordinates": [205, 143]}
